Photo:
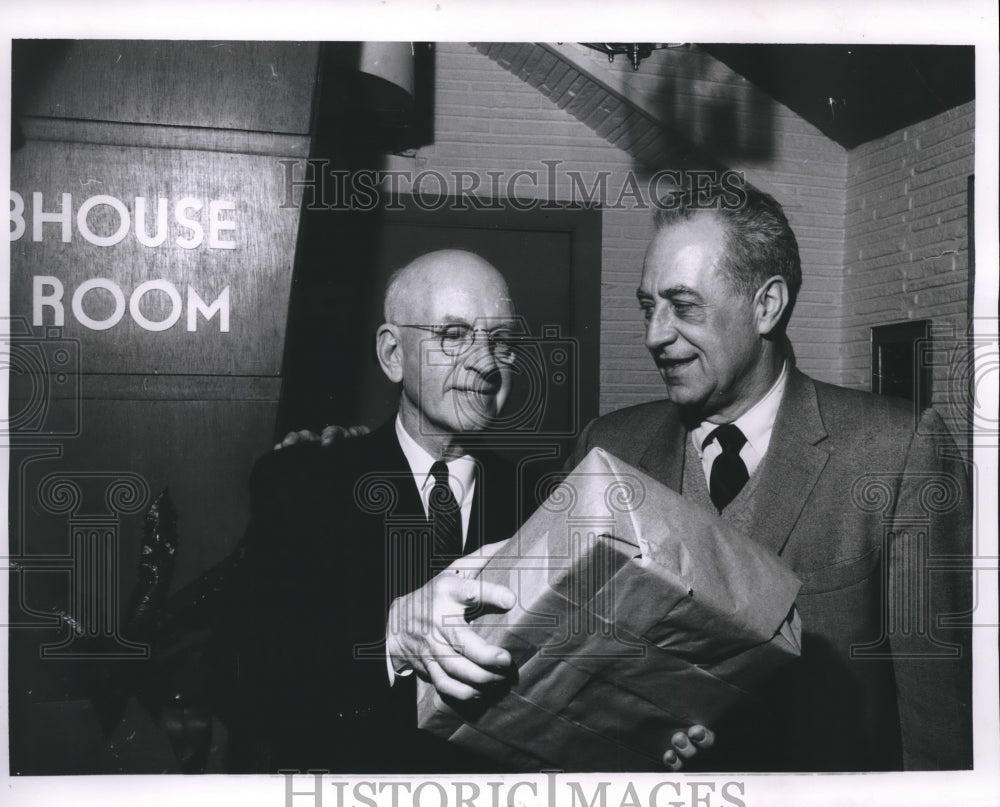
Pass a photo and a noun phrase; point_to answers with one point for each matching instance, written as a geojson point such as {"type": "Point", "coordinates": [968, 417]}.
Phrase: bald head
{"type": "Point", "coordinates": [447, 390]}
{"type": "Point", "coordinates": [412, 291]}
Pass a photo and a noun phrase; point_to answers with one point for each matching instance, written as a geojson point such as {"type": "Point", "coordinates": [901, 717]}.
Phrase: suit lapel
{"type": "Point", "coordinates": [473, 537]}
{"type": "Point", "coordinates": [493, 516]}
{"type": "Point", "coordinates": [388, 459]}
{"type": "Point", "coordinates": [664, 458]}
{"type": "Point", "coordinates": [792, 466]}
{"type": "Point", "coordinates": [388, 464]}
{"type": "Point", "coordinates": [400, 528]}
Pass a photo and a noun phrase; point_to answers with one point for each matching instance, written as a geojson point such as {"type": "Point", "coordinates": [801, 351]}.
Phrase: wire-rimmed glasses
{"type": "Point", "coordinates": [457, 337]}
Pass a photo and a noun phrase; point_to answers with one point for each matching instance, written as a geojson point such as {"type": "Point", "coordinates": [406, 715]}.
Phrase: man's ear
{"type": "Point", "coordinates": [770, 303]}
{"type": "Point", "coordinates": [389, 350]}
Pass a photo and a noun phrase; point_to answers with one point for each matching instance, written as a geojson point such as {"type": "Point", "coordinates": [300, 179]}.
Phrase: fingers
{"type": "Point", "coordinates": [459, 582]}
{"type": "Point", "coordinates": [476, 594]}
{"type": "Point", "coordinates": [459, 663]}
{"type": "Point", "coordinates": [490, 661]}
{"type": "Point", "coordinates": [685, 744]}
{"type": "Point", "coordinates": [458, 672]}
{"type": "Point", "coordinates": [447, 686]}
{"type": "Point", "coordinates": [701, 736]}
{"type": "Point", "coordinates": [331, 434]}
{"type": "Point", "coordinates": [682, 745]}
{"type": "Point", "coordinates": [462, 669]}
{"type": "Point", "coordinates": [290, 439]}
{"type": "Point", "coordinates": [671, 761]}
{"type": "Point", "coordinates": [470, 565]}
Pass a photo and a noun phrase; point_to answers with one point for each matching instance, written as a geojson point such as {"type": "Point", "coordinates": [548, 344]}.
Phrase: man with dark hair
{"type": "Point", "coordinates": [839, 483]}
{"type": "Point", "coordinates": [759, 240]}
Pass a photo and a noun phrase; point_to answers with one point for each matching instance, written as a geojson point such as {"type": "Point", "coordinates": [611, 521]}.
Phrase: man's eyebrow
{"type": "Point", "coordinates": [495, 323]}
{"type": "Point", "coordinates": [669, 292]}
{"type": "Point", "coordinates": [677, 291]}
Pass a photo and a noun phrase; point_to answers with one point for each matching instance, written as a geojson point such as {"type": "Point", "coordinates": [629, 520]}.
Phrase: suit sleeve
{"type": "Point", "coordinates": [930, 602]}
{"type": "Point", "coordinates": [275, 642]}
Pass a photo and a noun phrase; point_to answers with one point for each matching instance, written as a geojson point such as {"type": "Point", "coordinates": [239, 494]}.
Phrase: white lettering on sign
{"type": "Point", "coordinates": [40, 300]}
{"type": "Point", "coordinates": [40, 217]}
{"type": "Point", "coordinates": [105, 220]}
{"type": "Point", "coordinates": [124, 221]}
{"type": "Point", "coordinates": [141, 231]}
{"type": "Point", "coordinates": [197, 306]}
{"type": "Point", "coordinates": [175, 305]}
{"type": "Point", "coordinates": [48, 291]}
{"type": "Point", "coordinates": [16, 216]}
{"type": "Point", "coordinates": [180, 214]}
{"type": "Point", "coordinates": [217, 224]}
{"type": "Point", "coordinates": [116, 294]}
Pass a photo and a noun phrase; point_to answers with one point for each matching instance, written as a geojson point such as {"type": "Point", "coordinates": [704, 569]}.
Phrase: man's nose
{"type": "Point", "coordinates": [660, 330]}
{"type": "Point", "coordinates": [479, 355]}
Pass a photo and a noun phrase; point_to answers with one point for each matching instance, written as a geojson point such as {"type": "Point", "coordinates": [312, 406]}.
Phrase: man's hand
{"type": "Point", "coordinates": [685, 744]}
{"type": "Point", "coordinates": [329, 436]}
{"type": "Point", "coordinates": [428, 630]}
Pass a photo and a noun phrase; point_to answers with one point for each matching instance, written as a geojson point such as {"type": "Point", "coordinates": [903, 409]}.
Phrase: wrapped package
{"type": "Point", "coordinates": [638, 613]}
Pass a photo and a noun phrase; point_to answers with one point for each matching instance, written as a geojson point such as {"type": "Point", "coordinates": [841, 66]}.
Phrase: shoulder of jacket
{"type": "Point", "coordinates": [857, 410]}
{"type": "Point", "coordinates": [288, 466]}
{"type": "Point", "coordinates": [638, 416]}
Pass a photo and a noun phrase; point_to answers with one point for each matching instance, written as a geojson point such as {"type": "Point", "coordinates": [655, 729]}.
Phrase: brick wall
{"type": "Point", "coordinates": [486, 119]}
{"type": "Point", "coordinates": [906, 245]}
{"type": "Point", "coordinates": [725, 115]}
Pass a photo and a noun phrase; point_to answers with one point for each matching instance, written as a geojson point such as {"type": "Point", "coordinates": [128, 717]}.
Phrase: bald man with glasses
{"type": "Point", "coordinates": [346, 584]}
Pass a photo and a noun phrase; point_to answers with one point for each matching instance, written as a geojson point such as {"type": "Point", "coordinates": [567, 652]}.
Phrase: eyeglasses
{"type": "Point", "coordinates": [456, 338]}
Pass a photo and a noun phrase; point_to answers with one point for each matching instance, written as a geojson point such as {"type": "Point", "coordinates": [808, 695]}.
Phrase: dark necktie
{"type": "Point", "coordinates": [445, 515]}
{"type": "Point", "coordinates": [729, 474]}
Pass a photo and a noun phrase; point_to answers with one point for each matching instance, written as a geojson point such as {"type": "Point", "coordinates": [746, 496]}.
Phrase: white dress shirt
{"type": "Point", "coordinates": [461, 475]}
{"type": "Point", "coordinates": [461, 480]}
{"type": "Point", "coordinates": [756, 423]}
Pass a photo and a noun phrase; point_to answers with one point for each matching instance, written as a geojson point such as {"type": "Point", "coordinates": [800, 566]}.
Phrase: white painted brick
{"type": "Point", "coordinates": [942, 173]}
{"type": "Point", "coordinates": [958, 147]}
{"type": "Point", "coordinates": [931, 281]}
{"type": "Point", "coordinates": [806, 172]}
{"type": "Point", "coordinates": [956, 229]}
{"type": "Point", "coordinates": [947, 126]}
{"type": "Point", "coordinates": [944, 251]}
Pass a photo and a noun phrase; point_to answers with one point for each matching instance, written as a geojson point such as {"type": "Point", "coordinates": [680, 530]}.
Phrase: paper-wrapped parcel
{"type": "Point", "coordinates": [638, 614]}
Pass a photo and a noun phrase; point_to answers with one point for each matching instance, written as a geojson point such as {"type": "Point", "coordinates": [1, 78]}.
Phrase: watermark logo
{"type": "Point", "coordinates": [316, 788]}
{"type": "Point", "coordinates": [910, 514]}
{"type": "Point", "coordinates": [314, 185]}
{"type": "Point", "coordinates": [44, 372]}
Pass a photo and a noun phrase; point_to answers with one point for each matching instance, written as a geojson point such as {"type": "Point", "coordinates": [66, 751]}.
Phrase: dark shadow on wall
{"type": "Point", "coordinates": [31, 61]}
{"type": "Point", "coordinates": [357, 121]}
{"type": "Point", "coordinates": [710, 116]}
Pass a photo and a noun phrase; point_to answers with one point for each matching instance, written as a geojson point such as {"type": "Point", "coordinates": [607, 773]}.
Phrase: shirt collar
{"type": "Point", "coordinates": [461, 470]}
{"type": "Point", "coordinates": [756, 423]}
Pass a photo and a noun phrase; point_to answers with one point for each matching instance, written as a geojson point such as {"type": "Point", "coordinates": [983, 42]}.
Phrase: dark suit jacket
{"type": "Point", "coordinates": [335, 535]}
{"type": "Point", "coordinates": [858, 503]}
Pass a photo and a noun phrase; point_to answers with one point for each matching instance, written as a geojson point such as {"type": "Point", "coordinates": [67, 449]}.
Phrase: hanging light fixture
{"type": "Point", "coordinates": [636, 51]}
{"type": "Point", "coordinates": [389, 61]}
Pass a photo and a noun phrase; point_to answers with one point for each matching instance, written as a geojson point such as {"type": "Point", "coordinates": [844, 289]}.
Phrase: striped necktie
{"type": "Point", "coordinates": [445, 515]}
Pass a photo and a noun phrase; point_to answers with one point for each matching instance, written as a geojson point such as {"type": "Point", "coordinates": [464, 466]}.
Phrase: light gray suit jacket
{"type": "Point", "coordinates": [874, 516]}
